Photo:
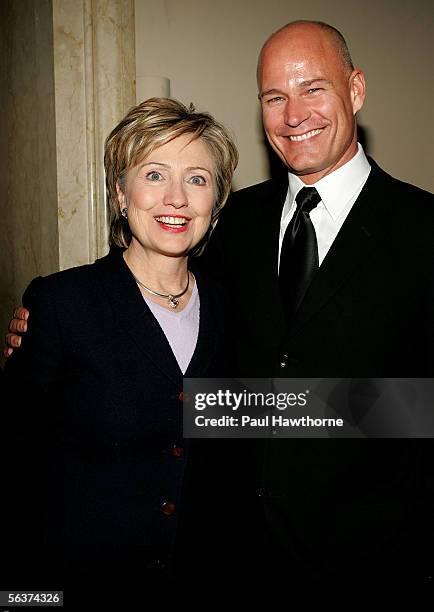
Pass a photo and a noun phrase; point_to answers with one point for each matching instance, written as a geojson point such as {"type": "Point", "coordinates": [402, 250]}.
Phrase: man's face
{"type": "Point", "coordinates": [309, 100]}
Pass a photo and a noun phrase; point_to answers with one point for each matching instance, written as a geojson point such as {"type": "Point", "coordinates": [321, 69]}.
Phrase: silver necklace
{"type": "Point", "coordinates": [172, 300]}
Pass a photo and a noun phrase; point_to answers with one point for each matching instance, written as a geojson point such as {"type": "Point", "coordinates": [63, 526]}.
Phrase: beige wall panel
{"type": "Point", "coordinates": [67, 75]}
{"type": "Point", "coordinates": [28, 202]}
{"type": "Point", "coordinates": [208, 50]}
{"type": "Point", "coordinates": [94, 72]}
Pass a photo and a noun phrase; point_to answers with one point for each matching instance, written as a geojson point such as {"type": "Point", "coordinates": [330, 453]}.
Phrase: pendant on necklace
{"type": "Point", "coordinates": [173, 302]}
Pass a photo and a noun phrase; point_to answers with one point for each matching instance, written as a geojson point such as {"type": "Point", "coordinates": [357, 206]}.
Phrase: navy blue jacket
{"type": "Point", "coordinates": [96, 452]}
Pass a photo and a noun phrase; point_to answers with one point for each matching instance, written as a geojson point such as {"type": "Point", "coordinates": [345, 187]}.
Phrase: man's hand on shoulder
{"type": "Point", "coordinates": [17, 326]}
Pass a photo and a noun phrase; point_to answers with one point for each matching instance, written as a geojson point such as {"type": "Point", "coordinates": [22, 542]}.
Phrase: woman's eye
{"type": "Point", "coordinates": [197, 180]}
{"type": "Point", "coordinates": [154, 176]}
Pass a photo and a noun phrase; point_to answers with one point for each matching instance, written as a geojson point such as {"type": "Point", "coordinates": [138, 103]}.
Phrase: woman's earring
{"type": "Point", "coordinates": [124, 213]}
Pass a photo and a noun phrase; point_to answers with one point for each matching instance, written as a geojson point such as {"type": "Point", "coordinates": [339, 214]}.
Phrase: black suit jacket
{"type": "Point", "coordinates": [94, 423]}
{"type": "Point", "coordinates": [338, 506]}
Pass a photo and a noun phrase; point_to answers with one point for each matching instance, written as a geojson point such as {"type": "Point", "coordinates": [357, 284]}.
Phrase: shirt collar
{"type": "Point", "coordinates": [337, 188]}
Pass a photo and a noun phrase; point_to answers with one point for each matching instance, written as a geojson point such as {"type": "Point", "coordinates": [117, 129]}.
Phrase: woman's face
{"type": "Point", "coordinates": [170, 197]}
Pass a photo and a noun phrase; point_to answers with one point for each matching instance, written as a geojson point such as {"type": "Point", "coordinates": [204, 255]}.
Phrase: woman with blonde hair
{"type": "Point", "coordinates": [96, 443]}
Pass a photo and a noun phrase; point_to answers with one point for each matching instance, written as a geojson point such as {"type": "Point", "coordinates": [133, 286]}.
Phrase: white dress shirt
{"type": "Point", "coordinates": [338, 191]}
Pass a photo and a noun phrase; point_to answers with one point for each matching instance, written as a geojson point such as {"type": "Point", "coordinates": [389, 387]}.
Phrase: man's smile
{"type": "Point", "coordinates": [305, 136]}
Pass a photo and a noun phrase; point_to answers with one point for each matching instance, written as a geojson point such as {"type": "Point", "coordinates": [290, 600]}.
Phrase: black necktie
{"type": "Point", "coordinates": [299, 254]}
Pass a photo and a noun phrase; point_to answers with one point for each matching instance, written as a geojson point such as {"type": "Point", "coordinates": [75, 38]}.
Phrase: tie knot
{"type": "Point", "coordinates": [307, 198]}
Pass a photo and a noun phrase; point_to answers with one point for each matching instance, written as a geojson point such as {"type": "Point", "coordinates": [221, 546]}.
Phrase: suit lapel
{"type": "Point", "coordinates": [135, 319]}
{"type": "Point", "coordinates": [207, 340]}
{"type": "Point", "coordinates": [133, 316]}
{"type": "Point", "coordinates": [263, 274]}
{"type": "Point", "coordinates": [355, 236]}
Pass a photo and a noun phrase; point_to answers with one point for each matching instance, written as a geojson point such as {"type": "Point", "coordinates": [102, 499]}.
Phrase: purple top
{"type": "Point", "coordinates": [180, 328]}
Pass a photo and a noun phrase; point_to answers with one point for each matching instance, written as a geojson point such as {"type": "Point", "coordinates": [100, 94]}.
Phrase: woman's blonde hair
{"type": "Point", "coordinates": [146, 127]}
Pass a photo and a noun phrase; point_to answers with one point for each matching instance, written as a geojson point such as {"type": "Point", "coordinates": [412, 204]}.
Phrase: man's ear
{"type": "Point", "coordinates": [357, 89]}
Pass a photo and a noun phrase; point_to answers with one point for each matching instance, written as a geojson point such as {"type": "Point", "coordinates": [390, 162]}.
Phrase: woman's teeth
{"type": "Point", "coordinates": [172, 220]}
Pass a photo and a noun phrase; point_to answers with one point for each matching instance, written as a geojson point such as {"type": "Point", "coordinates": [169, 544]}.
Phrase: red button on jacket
{"type": "Point", "coordinates": [168, 508]}
{"type": "Point", "coordinates": [177, 451]}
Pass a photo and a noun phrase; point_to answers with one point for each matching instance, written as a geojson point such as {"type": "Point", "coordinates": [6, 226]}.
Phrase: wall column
{"type": "Point", "coordinates": [67, 76]}
{"type": "Point", "coordinates": [94, 77]}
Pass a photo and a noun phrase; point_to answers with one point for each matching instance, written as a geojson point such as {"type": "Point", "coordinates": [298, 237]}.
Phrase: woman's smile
{"type": "Point", "coordinates": [173, 223]}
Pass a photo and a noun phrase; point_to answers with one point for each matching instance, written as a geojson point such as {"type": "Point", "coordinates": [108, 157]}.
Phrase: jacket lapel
{"type": "Point", "coordinates": [263, 273]}
{"type": "Point", "coordinates": [207, 340]}
{"type": "Point", "coordinates": [132, 315]}
{"type": "Point", "coordinates": [355, 236]}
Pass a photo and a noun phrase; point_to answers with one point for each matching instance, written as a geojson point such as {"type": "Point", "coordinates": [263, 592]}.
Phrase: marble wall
{"type": "Point", "coordinates": [94, 75]}
{"type": "Point", "coordinates": [28, 194]}
{"type": "Point", "coordinates": [67, 75]}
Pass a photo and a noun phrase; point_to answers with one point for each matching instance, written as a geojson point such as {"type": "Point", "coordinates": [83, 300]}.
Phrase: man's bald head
{"type": "Point", "coordinates": [310, 94]}
{"type": "Point", "coordinates": [335, 37]}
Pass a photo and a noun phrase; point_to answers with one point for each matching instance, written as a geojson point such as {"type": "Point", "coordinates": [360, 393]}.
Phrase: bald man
{"type": "Point", "coordinates": [331, 508]}
{"type": "Point", "coordinates": [330, 273]}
